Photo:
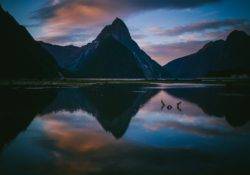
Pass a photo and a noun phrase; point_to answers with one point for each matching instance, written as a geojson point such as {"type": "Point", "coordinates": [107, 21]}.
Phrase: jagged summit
{"type": "Point", "coordinates": [117, 29]}
{"type": "Point", "coordinates": [237, 35]}
{"type": "Point", "coordinates": [228, 57]}
{"type": "Point", "coordinates": [113, 54]}
{"type": "Point", "coordinates": [234, 36]}
{"type": "Point", "coordinates": [118, 22]}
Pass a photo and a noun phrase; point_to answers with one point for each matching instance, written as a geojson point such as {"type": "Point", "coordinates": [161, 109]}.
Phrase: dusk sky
{"type": "Point", "coordinates": [165, 29]}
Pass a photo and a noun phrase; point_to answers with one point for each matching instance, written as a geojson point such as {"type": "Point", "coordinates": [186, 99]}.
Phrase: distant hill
{"type": "Point", "coordinates": [65, 56]}
{"type": "Point", "coordinates": [217, 58]}
{"type": "Point", "coordinates": [113, 54]}
{"type": "Point", "coordinates": [21, 56]}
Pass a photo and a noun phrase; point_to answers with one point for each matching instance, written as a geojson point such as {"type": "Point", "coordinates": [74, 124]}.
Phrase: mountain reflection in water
{"type": "Point", "coordinates": [118, 128]}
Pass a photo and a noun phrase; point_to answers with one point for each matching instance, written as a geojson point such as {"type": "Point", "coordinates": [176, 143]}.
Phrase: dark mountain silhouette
{"type": "Point", "coordinates": [65, 56]}
{"type": "Point", "coordinates": [21, 55]}
{"type": "Point", "coordinates": [231, 103]}
{"type": "Point", "coordinates": [113, 54]}
{"type": "Point", "coordinates": [111, 59]}
{"type": "Point", "coordinates": [18, 108]}
{"type": "Point", "coordinates": [112, 105]}
{"type": "Point", "coordinates": [218, 58]}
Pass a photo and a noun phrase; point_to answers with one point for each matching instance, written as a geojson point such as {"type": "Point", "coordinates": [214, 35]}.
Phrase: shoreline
{"type": "Point", "coordinates": [87, 82]}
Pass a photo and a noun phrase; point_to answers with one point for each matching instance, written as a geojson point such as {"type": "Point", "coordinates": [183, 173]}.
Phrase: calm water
{"type": "Point", "coordinates": [125, 129]}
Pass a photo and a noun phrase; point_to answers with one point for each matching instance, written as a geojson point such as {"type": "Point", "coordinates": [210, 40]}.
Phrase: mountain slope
{"type": "Point", "coordinates": [21, 55]}
{"type": "Point", "coordinates": [105, 48]}
{"type": "Point", "coordinates": [119, 31]}
{"type": "Point", "coordinates": [64, 55]}
{"type": "Point", "coordinates": [231, 56]}
{"type": "Point", "coordinates": [111, 59]}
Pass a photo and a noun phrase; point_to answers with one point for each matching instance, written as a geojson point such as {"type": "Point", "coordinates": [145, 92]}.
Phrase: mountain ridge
{"type": "Point", "coordinates": [22, 56]}
{"type": "Point", "coordinates": [231, 55]}
{"type": "Point", "coordinates": [119, 31]}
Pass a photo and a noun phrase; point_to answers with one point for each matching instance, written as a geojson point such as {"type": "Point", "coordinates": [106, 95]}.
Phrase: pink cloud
{"type": "Point", "coordinates": [62, 17]}
{"type": "Point", "coordinates": [164, 53]}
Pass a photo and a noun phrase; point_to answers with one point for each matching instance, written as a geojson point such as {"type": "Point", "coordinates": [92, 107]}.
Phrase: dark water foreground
{"type": "Point", "coordinates": [125, 129]}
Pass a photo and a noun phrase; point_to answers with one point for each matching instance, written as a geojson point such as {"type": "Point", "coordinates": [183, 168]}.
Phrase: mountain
{"type": "Point", "coordinates": [21, 56]}
{"type": "Point", "coordinates": [113, 54]}
{"type": "Point", "coordinates": [110, 59]}
{"type": "Point", "coordinates": [65, 56]}
{"type": "Point", "coordinates": [218, 58]}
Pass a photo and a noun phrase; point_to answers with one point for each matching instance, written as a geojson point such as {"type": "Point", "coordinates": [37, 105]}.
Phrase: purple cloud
{"type": "Point", "coordinates": [164, 53]}
{"type": "Point", "coordinates": [206, 25]}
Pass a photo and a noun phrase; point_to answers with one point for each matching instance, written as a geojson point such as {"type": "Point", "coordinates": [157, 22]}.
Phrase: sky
{"type": "Point", "coordinates": [165, 29]}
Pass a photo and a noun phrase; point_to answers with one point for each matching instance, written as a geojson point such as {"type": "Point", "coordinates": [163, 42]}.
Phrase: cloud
{"type": "Point", "coordinates": [32, 25]}
{"type": "Point", "coordinates": [190, 38]}
{"type": "Point", "coordinates": [61, 17]}
{"type": "Point", "coordinates": [164, 53]}
{"type": "Point", "coordinates": [76, 37]}
{"type": "Point", "coordinates": [114, 6]}
{"type": "Point", "coordinates": [204, 26]}
{"type": "Point", "coordinates": [139, 36]}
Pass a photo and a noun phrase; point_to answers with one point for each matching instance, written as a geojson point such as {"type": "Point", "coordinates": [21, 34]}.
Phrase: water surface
{"type": "Point", "coordinates": [125, 129]}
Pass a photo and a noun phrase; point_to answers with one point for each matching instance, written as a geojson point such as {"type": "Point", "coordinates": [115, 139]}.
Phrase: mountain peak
{"type": "Point", "coordinates": [118, 21]}
{"type": "Point", "coordinates": [237, 34]}
{"type": "Point", "coordinates": [117, 29]}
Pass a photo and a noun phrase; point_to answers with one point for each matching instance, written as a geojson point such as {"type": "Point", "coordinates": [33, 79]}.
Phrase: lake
{"type": "Point", "coordinates": [125, 129]}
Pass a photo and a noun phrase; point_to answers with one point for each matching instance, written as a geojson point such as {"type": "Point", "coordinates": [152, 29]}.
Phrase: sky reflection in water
{"type": "Point", "coordinates": [93, 130]}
